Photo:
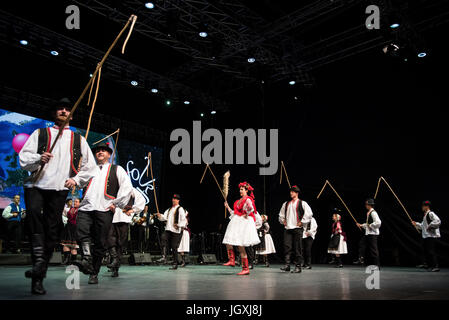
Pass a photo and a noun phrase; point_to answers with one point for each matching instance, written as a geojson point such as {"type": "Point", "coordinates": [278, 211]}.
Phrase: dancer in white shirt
{"type": "Point", "coordinates": [372, 231]}
{"type": "Point", "coordinates": [294, 215]}
{"type": "Point", "coordinates": [310, 230]}
{"type": "Point", "coordinates": [70, 164]}
{"type": "Point", "coordinates": [430, 231]}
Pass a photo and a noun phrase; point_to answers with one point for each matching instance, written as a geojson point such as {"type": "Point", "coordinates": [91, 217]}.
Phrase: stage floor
{"type": "Point", "coordinates": [213, 282]}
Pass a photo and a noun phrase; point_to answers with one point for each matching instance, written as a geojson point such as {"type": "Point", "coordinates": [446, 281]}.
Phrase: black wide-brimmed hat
{"type": "Point", "coordinates": [295, 189]}
{"type": "Point", "coordinates": [370, 202]}
{"type": "Point", "coordinates": [102, 145]}
{"type": "Point", "coordinates": [63, 102]}
{"type": "Point", "coordinates": [176, 196]}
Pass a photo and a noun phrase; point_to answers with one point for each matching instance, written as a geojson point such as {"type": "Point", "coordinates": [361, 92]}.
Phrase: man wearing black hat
{"type": "Point", "coordinates": [371, 227]}
{"type": "Point", "coordinates": [70, 164]}
{"type": "Point", "coordinates": [430, 230]}
{"type": "Point", "coordinates": [294, 215]}
{"type": "Point", "coordinates": [110, 188]}
{"type": "Point", "coordinates": [176, 220]}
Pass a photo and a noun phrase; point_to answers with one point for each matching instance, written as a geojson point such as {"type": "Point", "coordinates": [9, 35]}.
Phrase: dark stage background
{"type": "Point", "coordinates": [361, 117]}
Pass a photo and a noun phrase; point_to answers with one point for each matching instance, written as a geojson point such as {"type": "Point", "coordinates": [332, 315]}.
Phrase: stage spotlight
{"type": "Point", "coordinates": [91, 75]}
{"type": "Point", "coordinates": [167, 102]}
{"type": "Point", "coordinates": [149, 5]}
{"type": "Point", "coordinates": [394, 25]}
{"type": "Point", "coordinates": [422, 54]}
{"type": "Point", "coordinates": [251, 60]}
{"type": "Point", "coordinates": [23, 42]}
{"type": "Point", "coordinates": [213, 112]}
{"type": "Point", "coordinates": [187, 102]}
{"type": "Point", "coordinates": [296, 98]}
{"type": "Point", "coordinates": [201, 115]}
{"type": "Point", "coordinates": [134, 83]}
{"type": "Point", "coordinates": [292, 82]}
{"type": "Point", "coordinates": [54, 52]}
{"type": "Point", "coordinates": [154, 90]}
{"type": "Point", "coordinates": [203, 34]}
{"type": "Point", "coordinates": [202, 31]}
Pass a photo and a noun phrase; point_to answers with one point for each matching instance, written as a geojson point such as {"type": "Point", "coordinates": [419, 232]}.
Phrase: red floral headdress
{"type": "Point", "coordinates": [248, 187]}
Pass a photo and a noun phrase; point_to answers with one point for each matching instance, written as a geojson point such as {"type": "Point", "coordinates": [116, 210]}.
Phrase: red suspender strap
{"type": "Point", "coordinates": [48, 139]}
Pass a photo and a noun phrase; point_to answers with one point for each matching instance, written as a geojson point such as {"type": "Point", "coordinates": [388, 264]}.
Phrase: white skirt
{"type": "Point", "coordinates": [342, 247]}
{"type": "Point", "coordinates": [241, 231]}
{"type": "Point", "coordinates": [269, 245]}
{"type": "Point", "coordinates": [184, 245]}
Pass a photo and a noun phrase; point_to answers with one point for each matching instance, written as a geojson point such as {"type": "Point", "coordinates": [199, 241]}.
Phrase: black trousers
{"type": "Point", "coordinates": [44, 210]}
{"type": "Point", "coordinates": [362, 247]}
{"type": "Point", "coordinates": [373, 251]}
{"type": "Point", "coordinates": [14, 233]}
{"type": "Point", "coordinates": [293, 246]}
{"type": "Point", "coordinates": [429, 252]}
{"type": "Point", "coordinates": [138, 238]}
{"type": "Point", "coordinates": [251, 254]}
{"type": "Point", "coordinates": [164, 243]}
{"type": "Point", "coordinates": [307, 250]}
{"type": "Point", "coordinates": [173, 241]}
{"type": "Point", "coordinates": [117, 237]}
{"type": "Point", "coordinates": [94, 227]}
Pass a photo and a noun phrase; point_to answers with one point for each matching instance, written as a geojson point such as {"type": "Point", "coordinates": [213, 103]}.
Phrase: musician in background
{"type": "Point", "coordinates": [14, 215]}
{"type": "Point", "coordinates": [138, 228]}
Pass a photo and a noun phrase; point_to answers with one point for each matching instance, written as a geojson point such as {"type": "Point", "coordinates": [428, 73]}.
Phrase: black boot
{"type": "Point", "coordinates": [114, 272]}
{"type": "Point", "coordinates": [360, 261]}
{"type": "Point", "coordinates": [72, 258]}
{"type": "Point", "coordinates": [85, 265]}
{"type": "Point", "coordinates": [93, 279]}
{"type": "Point", "coordinates": [183, 261]}
{"type": "Point", "coordinates": [37, 286]}
{"type": "Point", "coordinates": [66, 258]}
{"type": "Point", "coordinates": [173, 267]}
{"type": "Point", "coordinates": [286, 268]}
{"type": "Point", "coordinates": [114, 255]}
{"type": "Point", "coordinates": [38, 258]}
{"type": "Point", "coordinates": [297, 269]}
{"type": "Point", "coordinates": [339, 263]}
{"type": "Point", "coordinates": [267, 264]}
{"type": "Point", "coordinates": [332, 261]}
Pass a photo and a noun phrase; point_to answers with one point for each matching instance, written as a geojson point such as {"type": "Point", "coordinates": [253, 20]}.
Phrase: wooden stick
{"type": "Point", "coordinates": [93, 103]}
{"type": "Point", "coordinates": [397, 198]}
{"type": "Point", "coordinates": [216, 181]}
{"type": "Point", "coordinates": [204, 173]}
{"type": "Point", "coordinates": [280, 175]}
{"type": "Point", "coordinates": [377, 189]}
{"type": "Point", "coordinates": [322, 189]}
{"type": "Point", "coordinates": [36, 177]}
{"type": "Point", "coordinates": [115, 146]}
{"type": "Point", "coordinates": [344, 204]}
{"type": "Point", "coordinates": [154, 184]}
{"type": "Point", "coordinates": [148, 161]}
{"type": "Point", "coordinates": [109, 135]}
{"type": "Point", "coordinates": [286, 175]}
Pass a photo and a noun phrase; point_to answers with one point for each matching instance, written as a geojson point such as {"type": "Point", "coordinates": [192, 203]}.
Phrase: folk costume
{"type": "Point", "coordinates": [241, 230]}
{"type": "Point", "coordinates": [45, 198]}
{"type": "Point", "coordinates": [184, 244]}
{"type": "Point", "coordinates": [118, 233]}
{"type": "Point", "coordinates": [430, 231]}
{"type": "Point", "coordinates": [266, 245]}
{"type": "Point", "coordinates": [372, 231]}
{"type": "Point", "coordinates": [337, 244]}
{"type": "Point", "coordinates": [110, 185]}
{"type": "Point", "coordinates": [291, 214]}
{"type": "Point", "coordinates": [176, 221]}
{"type": "Point", "coordinates": [68, 238]}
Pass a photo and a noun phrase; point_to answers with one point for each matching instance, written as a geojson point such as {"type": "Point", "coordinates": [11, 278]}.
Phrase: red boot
{"type": "Point", "coordinates": [245, 269]}
{"type": "Point", "coordinates": [231, 257]}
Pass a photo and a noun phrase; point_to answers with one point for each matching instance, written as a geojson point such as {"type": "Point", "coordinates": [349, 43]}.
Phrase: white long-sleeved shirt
{"type": "Point", "coordinates": [57, 170]}
{"type": "Point", "coordinates": [292, 220]}
{"type": "Point", "coordinates": [8, 215]}
{"type": "Point", "coordinates": [431, 230]}
{"type": "Point", "coordinates": [373, 228]}
{"type": "Point", "coordinates": [313, 229]}
{"type": "Point", "coordinates": [259, 220]}
{"type": "Point", "coordinates": [138, 206]}
{"type": "Point", "coordinates": [95, 199]}
{"type": "Point", "coordinates": [64, 214]}
{"type": "Point", "coordinates": [169, 216]}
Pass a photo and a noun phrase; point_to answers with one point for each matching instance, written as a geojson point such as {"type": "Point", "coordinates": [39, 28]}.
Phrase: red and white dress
{"type": "Point", "coordinates": [241, 230]}
{"type": "Point", "coordinates": [342, 246]}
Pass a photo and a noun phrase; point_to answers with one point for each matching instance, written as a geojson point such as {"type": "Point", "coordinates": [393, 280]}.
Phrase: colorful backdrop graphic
{"type": "Point", "coordinates": [15, 128]}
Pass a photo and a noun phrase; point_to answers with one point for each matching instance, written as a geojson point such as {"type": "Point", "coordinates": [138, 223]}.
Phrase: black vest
{"type": "Point", "coordinates": [299, 210]}
{"type": "Point", "coordinates": [429, 221]}
{"type": "Point", "coordinates": [370, 219]}
{"type": "Point", "coordinates": [176, 218]}
{"type": "Point", "coordinates": [111, 185]}
{"type": "Point", "coordinates": [43, 145]}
